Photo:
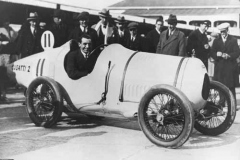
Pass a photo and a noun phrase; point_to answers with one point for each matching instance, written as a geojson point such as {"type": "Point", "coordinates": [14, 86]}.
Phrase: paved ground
{"type": "Point", "coordinates": [109, 139]}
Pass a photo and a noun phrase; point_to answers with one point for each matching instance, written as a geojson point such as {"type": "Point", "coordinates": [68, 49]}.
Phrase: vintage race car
{"type": "Point", "coordinates": [168, 95]}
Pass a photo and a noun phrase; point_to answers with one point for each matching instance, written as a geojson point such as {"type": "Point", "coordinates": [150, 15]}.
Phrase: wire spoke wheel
{"type": "Point", "coordinates": [44, 102]}
{"type": "Point", "coordinates": [219, 113]}
{"type": "Point", "coordinates": [166, 116]}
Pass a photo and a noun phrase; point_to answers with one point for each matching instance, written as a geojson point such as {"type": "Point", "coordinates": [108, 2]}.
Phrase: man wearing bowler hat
{"type": "Point", "coordinates": [197, 43]}
{"type": "Point", "coordinates": [83, 28]}
{"type": "Point", "coordinates": [225, 52]}
{"type": "Point", "coordinates": [59, 28]}
{"type": "Point", "coordinates": [121, 33]}
{"type": "Point", "coordinates": [104, 28]}
{"type": "Point", "coordinates": [29, 38]}
{"type": "Point", "coordinates": [135, 41]}
{"type": "Point", "coordinates": [172, 41]}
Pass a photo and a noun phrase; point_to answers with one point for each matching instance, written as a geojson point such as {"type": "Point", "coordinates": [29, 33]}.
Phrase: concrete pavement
{"type": "Point", "coordinates": [113, 139]}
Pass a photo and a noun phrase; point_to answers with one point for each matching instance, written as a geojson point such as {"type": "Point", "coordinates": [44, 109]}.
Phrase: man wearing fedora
{"type": "Point", "coordinates": [121, 33]}
{"type": "Point", "coordinates": [83, 28]}
{"type": "Point", "coordinates": [172, 41]}
{"type": "Point", "coordinates": [104, 28]}
{"type": "Point", "coordinates": [29, 39]}
{"type": "Point", "coordinates": [59, 29]}
{"type": "Point", "coordinates": [225, 52]}
{"type": "Point", "coordinates": [153, 35]}
{"type": "Point", "coordinates": [135, 41]}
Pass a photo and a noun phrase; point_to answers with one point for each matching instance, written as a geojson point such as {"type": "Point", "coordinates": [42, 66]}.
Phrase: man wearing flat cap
{"type": "Point", "coordinates": [154, 35]}
{"type": "Point", "coordinates": [29, 38]}
{"type": "Point", "coordinates": [120, 33]}
{"type": "Point", "coordinates": [172, 41]}
{"type": "Point", "coordinates": [83, 28]}
{"type": "Point", "coordinates": [225, 52]}
{"type": "Point", "coordinates": [135, 41]}
{"type": "Point", "coordinates": [104, 28]}
{"type": "Point", "coordinates": [59, 29]}
{"type": "Point", "coordinates": [197, 44]}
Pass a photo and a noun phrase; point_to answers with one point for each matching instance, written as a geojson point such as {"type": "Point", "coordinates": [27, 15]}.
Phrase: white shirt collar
{"type": "Point", "coordinates": [119, 31]}
{"type": "Point", "coordinates": [200, 30]}
{"type": "Point", "coordinates": [171, 32]}
{"type": "Point", "coordinates": [158, 31]}
{"type": "Point", "coordinates": [82, 28]}
{"type": "Point", "coordinates": [84, 54]}
{"type": "Point", "coordinates": [133, 38]}
{"type": "Point", "coordinates": [32, 29]}
{"type": "Point", "coordinates": [104, 30]}
{"type": "Point", "coordinates": [224, 39]}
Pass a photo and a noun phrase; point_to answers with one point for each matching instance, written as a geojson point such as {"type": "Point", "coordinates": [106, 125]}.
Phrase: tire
{"type": "Point", "coordinates": [44, 102]}
{"type": "Point", "coordinates": [169, 108]}
{"type": "Point", "coordinates": [219, 113]}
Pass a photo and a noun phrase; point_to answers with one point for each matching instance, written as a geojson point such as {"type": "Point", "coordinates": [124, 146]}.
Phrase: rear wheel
{"type": "Point", "coordinates": [219, 113]}
{"type": "Point", "coordinates": [165, 116]}
{"type": "Point", "coordinates": [44, 102]}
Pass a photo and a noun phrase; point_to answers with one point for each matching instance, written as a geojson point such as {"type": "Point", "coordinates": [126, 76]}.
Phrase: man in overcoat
{"type": "Point", "coordinates": [104, 28]}
{"type": "Point", "coordinates": [84, 28]}
{"type": "Point", "coordinates": [172, 41]}
{"type": "Point", "coordinates": [225, 51]}
{"type": "Point", "coordinates": [29, 38]}
{"type": "Point", "coordinates": [59, 29]}
{"type": "Point", "coordinates": [197, 43]}
{"type": "Point", "coordinates": [154, 35]}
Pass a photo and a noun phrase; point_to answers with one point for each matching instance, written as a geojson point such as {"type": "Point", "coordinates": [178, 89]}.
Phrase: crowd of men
{"type": "Point", "coordinates": [169, 40]}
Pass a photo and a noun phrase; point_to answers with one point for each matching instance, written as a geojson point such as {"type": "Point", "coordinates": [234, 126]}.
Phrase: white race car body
{"type": "Point", "coordinates": [130, 75]}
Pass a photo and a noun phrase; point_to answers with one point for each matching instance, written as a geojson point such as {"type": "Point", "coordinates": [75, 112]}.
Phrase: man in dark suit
{"type": "Point", "coordinates": [29, 38]}
{"type": "Point", "coordinates": [59, 29]}
{"type": "Point", "coordinates": [197, 43]}
{"type": "Point", "coordinates": [120, 33]}
{"type": "Point", "coordinates": [83, 28]}
{"type": "Point", "coordinates": [76, 60]}
{"type": "Point", "coordinates": [153, 35]}
{"type": "Point", "coordinates": [225, 51]}
{"type": "Point", "coordinates": [172, 41]}
{"type": "Point", "coordinates": [135, 41]}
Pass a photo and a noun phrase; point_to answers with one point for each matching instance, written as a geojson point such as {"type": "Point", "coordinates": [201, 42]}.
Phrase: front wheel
{"type": "Point", "coordinates": [166, 116]}
{"type": "Point", "coordinates": [219, 113]}
{"type": "Point", "coordinates": [44, 102]}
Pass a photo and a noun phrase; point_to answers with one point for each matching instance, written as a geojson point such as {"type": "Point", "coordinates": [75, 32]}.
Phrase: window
{"type": "Point", "coordinates": [198, 22]}
{"type": "Point", "coordinates": [232, 23]}
{"type": "Point", "coordinates": [182, 22]}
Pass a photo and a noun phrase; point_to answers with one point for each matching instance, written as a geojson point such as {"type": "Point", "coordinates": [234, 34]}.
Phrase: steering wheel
{"type": "Point", "coordinates": [100, 48]}
{"type": "Point", "coordinates": [93, 57]}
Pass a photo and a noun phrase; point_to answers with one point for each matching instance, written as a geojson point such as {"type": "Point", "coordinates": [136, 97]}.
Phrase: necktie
{"type": "Point", "coordinates": [9, 34]}
{"type": "Point", "coordinates": [34, 32]}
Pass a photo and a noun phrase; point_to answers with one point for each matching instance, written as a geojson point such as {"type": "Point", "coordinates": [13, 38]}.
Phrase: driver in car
{"type": "Point", "coordinates": [76, 60]}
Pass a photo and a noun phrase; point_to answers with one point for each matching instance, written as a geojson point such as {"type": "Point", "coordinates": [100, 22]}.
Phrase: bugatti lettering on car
{"type": "Point", "coordinates": [168, 95]}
